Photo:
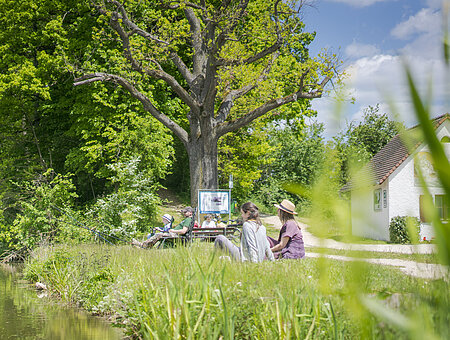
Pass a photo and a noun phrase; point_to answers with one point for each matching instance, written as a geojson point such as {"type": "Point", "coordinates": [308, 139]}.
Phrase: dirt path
{"type": "Point", "coordinates": [429, 271]}
{"type": "Point", "coordinates": [313, 241]}
{"type": "Point", "coordinates": [417, 269]}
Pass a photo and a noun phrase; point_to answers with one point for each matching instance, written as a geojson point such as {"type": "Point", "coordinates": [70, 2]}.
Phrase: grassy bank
{"type": "Point", "coordinates": [189, 292]}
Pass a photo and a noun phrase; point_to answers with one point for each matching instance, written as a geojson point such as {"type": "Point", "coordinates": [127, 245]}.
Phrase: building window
{"type": "Point", "coordinates": [377, 199]}
{"type": "Point", "coordinates": [442, 206]}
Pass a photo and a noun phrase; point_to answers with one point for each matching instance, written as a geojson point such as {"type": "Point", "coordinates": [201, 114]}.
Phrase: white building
{"type": "Point", "coordinates": [396, 189]}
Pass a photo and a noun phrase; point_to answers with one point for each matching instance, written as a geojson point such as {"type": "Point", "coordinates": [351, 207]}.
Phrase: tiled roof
{"type": "Point", "coordinates": [394, 153]}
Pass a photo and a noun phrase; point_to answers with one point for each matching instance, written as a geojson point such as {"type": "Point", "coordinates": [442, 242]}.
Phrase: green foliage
{"type": "Point", "coordinates": [298, 158]}
{"type": "Point", "coordinates": [36, 220]}
{"type": "Point", "coordinates": [404, 229]}
{"type": "Point", "coordinates": [131, 207]}
{"type": "Point", "coordinates": [244, 154]}
{"type": "Point", "coordinates": [359, 143]}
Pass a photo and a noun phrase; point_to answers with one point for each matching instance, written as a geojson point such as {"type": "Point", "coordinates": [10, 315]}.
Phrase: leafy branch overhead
{"type": "Point", "coordinates": [223, 52]}
{"type": "Point", "coordinates": [223, 64]}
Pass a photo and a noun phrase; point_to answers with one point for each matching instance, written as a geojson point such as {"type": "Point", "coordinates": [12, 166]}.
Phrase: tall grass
{"type": "Point", "coordinates": [188, 292]}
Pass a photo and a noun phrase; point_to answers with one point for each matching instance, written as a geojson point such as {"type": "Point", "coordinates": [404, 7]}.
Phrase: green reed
{"type": "Point", "coordinates": [190, 293]}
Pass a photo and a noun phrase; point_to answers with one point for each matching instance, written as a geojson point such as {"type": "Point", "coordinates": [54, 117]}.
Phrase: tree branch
{"type": "Point", "coordinates": [157, 74]}
{"type": "Point", "coordinates": [260, 55]}
{"type": "Point", "coordinates": [148, 106]}
{"type": "Point", "coordinates": [177, 4]}
{"type": "Point", "coordinates": [227, 103]}
{"type": "Point", "coordinates": [226, 127]}
{"type": "Point", "coordinates": [135, 29]}
{"type": "Point", "coordinates": [199, 50]}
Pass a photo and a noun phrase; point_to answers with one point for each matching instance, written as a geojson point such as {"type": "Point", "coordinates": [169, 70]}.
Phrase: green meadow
{"type": "Point", "coordinates": [192, 293]}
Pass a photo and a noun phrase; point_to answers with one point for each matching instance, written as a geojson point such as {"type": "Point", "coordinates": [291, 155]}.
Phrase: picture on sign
{"type": "Point", "coordinates": [214, 202]}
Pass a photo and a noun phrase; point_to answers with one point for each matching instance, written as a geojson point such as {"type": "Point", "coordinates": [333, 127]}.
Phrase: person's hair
{"type": "Point", "coordinates": [285, 216]}
{"type": "Point", "coordinates": [254, 211]}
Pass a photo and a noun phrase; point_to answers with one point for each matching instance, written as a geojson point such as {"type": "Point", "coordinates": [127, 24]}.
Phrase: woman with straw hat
{"type": "Point", "coordinates": [290, 241]}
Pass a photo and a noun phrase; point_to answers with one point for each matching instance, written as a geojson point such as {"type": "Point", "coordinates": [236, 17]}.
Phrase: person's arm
{"type": "Point", "coordinates": [179, 231]}
{"type": "Point", "coordinates": [268, 252]}
{"type": "Point", "coordinates": [185, 227]}
{"type": "Point", "coordinates": [281, 245]}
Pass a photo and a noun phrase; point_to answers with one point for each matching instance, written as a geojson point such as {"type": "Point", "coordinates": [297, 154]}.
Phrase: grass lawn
{"type": "Point", "coordinates": [189, 292]}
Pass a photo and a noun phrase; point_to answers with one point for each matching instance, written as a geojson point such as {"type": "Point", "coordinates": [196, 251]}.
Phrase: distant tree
{"type": "Point", "coordinates": [298, 159]}
{"type": "Point", "coordinates": [360, 142]}
{"type": "Point", "coordinates": [224, 64]}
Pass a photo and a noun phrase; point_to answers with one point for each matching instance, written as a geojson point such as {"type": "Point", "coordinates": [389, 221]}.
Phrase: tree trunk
{"type": "Point", "coordinates": [202, 154]}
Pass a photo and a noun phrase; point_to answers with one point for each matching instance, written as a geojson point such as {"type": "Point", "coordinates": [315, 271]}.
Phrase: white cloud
{"type": "Point", "coordinates": [376, 78]}
{"type": "Point", "coordinates": [359, 3]}
{"type": "Point", "coordinates": [435, 3]}
{"type": "Point", "coordinates": [426, 21]}
{"type": "Point", "coordinates": [357, 50]}
{"type": "Point", "coordinates": [381, 80]}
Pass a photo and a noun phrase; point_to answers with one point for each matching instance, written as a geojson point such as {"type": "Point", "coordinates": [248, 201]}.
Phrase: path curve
{"type": "Point", "coordinates": [412, 268]}
{"type": "Point", "coordinates": [429, 271]}
{"type": "Point", "coordinates": [313, 241]}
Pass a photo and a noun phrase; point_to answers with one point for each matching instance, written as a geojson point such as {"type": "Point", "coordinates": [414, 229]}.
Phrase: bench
{"type": "Point", "coordinates": [231, 231]}
{"type": "Point", "coordinates": [181, 239]}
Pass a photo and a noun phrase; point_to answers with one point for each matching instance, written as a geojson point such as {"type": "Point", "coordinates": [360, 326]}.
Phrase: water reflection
{"type": "Point", "coordinates": [25, 315]}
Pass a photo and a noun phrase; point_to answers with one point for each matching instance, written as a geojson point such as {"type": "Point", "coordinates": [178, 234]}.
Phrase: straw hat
{"type": "Point", "coordinates": [287, 206]}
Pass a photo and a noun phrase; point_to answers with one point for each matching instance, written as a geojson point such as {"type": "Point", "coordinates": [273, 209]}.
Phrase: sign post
{"type": "Point", "coordinates": [230, 186]}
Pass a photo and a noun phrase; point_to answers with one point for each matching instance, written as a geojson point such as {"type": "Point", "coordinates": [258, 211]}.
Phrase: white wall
{"type": "Point", "coordinates": [367, 222]}
{"type": "Point", "coordinates": [403, 193]}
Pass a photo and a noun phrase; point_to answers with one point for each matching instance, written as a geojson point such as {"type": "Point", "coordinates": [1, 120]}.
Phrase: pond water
{"type": "Point", "coordinates": [25, 314]}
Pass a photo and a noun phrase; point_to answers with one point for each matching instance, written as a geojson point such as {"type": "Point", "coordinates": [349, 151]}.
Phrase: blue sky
{"type": "Point", "coordinates": [372, 37]}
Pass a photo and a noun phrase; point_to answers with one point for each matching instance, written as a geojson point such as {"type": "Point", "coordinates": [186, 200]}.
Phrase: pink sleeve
{"type": "Point", "coordinates": [291, 229]}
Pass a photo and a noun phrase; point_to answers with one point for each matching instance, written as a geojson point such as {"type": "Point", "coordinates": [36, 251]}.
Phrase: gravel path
{"type": "Point", "coordinates": [417, 269]}
{"type": "Point", "coordinates": [428, 271]}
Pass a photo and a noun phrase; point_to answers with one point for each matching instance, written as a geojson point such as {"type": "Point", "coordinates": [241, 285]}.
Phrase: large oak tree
{"type": "Point", "coordinates": [228, 62]}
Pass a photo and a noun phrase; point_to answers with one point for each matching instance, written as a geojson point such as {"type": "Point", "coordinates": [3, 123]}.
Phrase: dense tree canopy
{"type": "Point", "coordinates": [212, 74]}
{"type": "Point", "coordinates": [358, 143]}
{"type": "Point", "coordinates": [223, 64]}
{"type": "Point", "coordinates": [298, 157]}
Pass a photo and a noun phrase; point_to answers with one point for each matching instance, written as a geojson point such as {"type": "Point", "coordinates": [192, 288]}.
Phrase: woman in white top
{"type": "Point", "coordinates": [208, 222]}
{"type": "Point", "coordinates": [254, 244]}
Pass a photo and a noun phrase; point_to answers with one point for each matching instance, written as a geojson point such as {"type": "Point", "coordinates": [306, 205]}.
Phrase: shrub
{"type": "Point", "coordinates": [404, 229]}
{"type": "Point", "coordinates": [131, 207]}
{"type": "Point", "coordinates": [37, 221]}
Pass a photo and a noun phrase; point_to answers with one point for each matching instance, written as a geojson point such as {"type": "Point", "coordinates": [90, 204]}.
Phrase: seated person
{"type": "Point", "coordinates": [167, 220]}
{"type": "Point", "coordinates": [208, 222]}
{"type": "Point", "coordinates": [290, 243]}
{"type": "Point", "coordinates": [179, 230]}
{"type": "Point", "coordinates": [254, 244]}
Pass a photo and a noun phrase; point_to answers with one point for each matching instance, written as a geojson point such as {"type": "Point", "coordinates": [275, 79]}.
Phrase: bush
{"type": "Point", "coordinates": [37, 221]}
{"type": "Point", "coordinates": [404, 229]}
{"type": "Point", "coordinates": [131, 207]}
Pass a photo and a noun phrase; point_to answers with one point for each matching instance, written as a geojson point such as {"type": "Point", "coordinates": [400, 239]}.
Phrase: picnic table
{"type": "Point", "coordinates": [231, 231]}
